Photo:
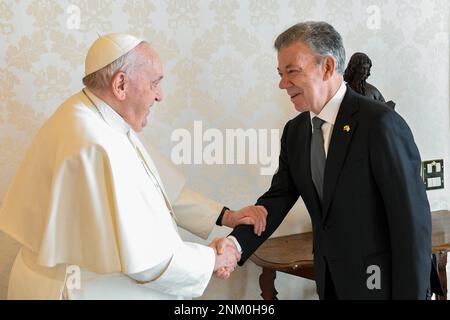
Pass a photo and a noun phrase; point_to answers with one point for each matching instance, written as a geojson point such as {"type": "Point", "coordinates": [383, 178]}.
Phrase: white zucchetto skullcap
{"type": "Point", "coordinates": [107, 49]}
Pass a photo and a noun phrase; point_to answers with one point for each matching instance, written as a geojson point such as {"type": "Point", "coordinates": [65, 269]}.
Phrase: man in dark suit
{"type": "Point", "coordinates": [356, 166]}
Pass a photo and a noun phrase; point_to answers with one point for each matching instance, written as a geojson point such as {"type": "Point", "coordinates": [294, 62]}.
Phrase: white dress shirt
{"type": "Point", "coordinates": [329, 114]}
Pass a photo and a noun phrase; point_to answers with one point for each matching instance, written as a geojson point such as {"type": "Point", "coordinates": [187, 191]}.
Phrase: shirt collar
{"type": "Point", "coordinates": [331, 109]}
{"type": "Point", "coordinates": [108, 114]}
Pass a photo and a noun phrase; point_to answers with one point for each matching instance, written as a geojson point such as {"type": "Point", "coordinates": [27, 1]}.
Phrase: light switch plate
{"type": "Point", "coordinates": [433, 174]}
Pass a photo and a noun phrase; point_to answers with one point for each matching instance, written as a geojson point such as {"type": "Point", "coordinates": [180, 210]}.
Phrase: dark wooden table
{"type": "Point", "coordinates": [293, 254]}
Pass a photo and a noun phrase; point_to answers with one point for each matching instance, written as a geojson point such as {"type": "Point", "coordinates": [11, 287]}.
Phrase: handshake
{"type": "Point", "coordinates": [227, 254]}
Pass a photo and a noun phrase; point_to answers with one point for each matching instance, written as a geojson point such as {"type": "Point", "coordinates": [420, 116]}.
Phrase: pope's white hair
{"type": "Point", "coordinates": [101, 79]}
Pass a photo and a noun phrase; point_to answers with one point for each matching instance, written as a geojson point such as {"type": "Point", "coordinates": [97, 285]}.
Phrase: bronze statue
{"type": "Point", "coordinates": [356, 74]}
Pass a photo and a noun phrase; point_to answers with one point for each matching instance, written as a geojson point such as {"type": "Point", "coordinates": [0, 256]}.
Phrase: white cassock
{"type": "Point", "coordinates": [94, 218]}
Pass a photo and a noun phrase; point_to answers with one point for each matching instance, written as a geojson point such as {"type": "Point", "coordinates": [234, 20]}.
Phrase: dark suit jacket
{"type": "Point", "coordinates": [375, 209]}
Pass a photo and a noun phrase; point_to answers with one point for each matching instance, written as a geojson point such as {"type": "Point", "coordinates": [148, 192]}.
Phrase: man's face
{"type": "Point", "coordinates": [302, 77]}
{"type": "Point", "coordinates": [145, 89]}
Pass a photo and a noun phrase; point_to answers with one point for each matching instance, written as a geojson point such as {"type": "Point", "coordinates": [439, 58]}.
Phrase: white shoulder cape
{"type": "Point", "coordinates": [81, 196]}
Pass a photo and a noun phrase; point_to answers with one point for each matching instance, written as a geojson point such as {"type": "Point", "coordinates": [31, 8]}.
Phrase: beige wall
{"type": "Point", "coordinates": [220, 68]}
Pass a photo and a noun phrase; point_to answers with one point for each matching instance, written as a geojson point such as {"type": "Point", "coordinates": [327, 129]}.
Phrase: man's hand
{"type": "Point", "coordinates": [227, 257]}
{"type": "Point", "coordinates": [255, 215]}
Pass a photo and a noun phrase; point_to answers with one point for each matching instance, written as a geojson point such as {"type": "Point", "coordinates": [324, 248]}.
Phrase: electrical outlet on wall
{"type": "Point", "coordinates": [433, 174]}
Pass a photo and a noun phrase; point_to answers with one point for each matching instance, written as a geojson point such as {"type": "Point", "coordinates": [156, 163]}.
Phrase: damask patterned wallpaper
{"type": "Point", "coordinates": [220, 68]}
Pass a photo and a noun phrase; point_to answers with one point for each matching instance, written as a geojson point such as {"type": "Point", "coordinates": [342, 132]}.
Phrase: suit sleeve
{"type": "Point", "coordinates": [278, 200]}
{"type": "Point", "coordinates": [395, 163]}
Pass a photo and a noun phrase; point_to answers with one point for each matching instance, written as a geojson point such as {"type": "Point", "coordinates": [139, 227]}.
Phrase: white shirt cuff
{"type": "Point", "coordinates": [236, 243]}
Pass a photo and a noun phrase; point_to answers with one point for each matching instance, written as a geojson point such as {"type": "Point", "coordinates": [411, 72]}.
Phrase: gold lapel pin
{"type": "Point", "coordinates": [346, 128]}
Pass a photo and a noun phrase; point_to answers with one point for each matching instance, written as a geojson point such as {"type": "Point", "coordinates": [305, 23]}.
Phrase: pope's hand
{"type": "Point", "coordinates": [255, 215]}
{"type": "Point", "coordinates": [227, 257]}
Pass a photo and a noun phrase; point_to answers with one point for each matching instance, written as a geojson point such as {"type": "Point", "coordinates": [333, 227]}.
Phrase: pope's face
{"type": "Point", "coordinates": [145, 89]}
{"type": "Point", "coordinates": [302, 77]}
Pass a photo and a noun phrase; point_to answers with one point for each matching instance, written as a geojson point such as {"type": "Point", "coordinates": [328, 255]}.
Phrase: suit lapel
{"type": "Point", "coordinates": [343, 130]}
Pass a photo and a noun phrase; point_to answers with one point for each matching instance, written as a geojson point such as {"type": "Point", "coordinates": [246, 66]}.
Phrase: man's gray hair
{"type": "Point", "coordinates": [321, 37]}
{"type": "Point", "coordinates": [101, 79]}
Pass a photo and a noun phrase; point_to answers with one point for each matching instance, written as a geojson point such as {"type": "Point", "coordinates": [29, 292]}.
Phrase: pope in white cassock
{"type": "Point", "coordinates": [88, 201]}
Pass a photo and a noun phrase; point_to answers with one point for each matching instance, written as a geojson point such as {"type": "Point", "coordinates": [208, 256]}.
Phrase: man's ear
{"type": "Point", "coordinates": [119, 85]}
{"type": "Point", "coordinates": [328, 67]}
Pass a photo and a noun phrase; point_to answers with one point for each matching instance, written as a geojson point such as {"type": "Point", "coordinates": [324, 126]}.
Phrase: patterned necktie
{"type": "Point", "coordinates": [317, 155]}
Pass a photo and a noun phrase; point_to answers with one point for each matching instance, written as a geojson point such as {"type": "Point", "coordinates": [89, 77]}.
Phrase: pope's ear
{"type": "Point", "coordinates": [119, 85]}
